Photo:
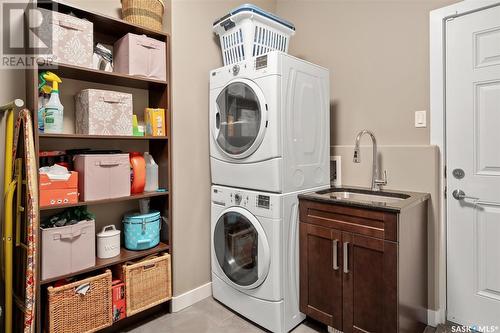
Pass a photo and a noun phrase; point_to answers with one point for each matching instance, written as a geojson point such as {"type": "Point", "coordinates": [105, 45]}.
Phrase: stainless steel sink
{"type": "Point", "coordinates": [365, 196]}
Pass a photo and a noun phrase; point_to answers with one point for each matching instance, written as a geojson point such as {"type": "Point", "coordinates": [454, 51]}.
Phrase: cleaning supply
{"type": "Point", "coordinates": [43, 98]}
{"type": "Point", "coordinates": [54, 110]}
{"type": "Point", "coordinates": [137, 173]}
{"type": "Point", "coordinates": [155, 122]}
{"type": "Point", "coordinates": [151, 173]}
{"type": "Point", "coordinates": [137, 129]}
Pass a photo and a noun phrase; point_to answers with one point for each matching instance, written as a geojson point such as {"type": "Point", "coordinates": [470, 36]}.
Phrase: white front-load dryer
{"type": "Point", "coordinates": [254, 250]}
{"type": "Point", "coordinates": [270, 124]}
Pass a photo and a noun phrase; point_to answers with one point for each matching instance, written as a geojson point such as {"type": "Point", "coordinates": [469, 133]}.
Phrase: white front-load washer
{"type": "Point", "coordinates": [270, 124]}
{"type": "Point", "coordinates": [254, 250]}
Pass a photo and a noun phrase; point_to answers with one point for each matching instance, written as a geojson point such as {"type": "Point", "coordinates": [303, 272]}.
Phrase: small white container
{"type": "Point", "coordinates": [108, 242]}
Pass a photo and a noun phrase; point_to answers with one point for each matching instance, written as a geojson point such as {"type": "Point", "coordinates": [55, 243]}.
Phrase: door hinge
{"type": "Point", "coordinates": [445, 191]}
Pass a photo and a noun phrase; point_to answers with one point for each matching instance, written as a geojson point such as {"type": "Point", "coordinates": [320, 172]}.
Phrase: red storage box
{"type": "Point", "coordinates": [58, 192]}
{"type": "Point", "coordinates": [119, 303]}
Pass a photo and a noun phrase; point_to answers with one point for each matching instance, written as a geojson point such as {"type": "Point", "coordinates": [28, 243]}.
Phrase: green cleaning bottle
{"type": "Point", "coordinates": [54, 110]}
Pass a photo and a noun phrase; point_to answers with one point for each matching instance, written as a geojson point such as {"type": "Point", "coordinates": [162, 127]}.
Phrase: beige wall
{"type": "Point", "coordinates": [195, 51]}
{"type": "Point", "coordinates": [378, 56]}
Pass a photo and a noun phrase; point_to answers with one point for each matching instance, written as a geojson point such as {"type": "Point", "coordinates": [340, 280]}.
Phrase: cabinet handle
{"type": "Point", "coordinates": [346, 257]}
{"type": "Point", "coordinates": [335, 254]}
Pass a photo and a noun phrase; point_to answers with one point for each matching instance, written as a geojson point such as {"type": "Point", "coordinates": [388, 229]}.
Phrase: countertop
{"type": "Point", "coordinates": [324, 196]}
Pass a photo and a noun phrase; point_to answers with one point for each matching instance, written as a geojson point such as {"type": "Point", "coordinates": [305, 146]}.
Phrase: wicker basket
{"type": "Point", "coordinates": [81, 307]}
{"type": "Point", "coordinates": [147, 283]}
{"type": "Point", "coordinates": [146, 13]}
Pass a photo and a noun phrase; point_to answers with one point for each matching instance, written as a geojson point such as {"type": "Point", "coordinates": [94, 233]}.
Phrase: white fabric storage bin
{"type": "Point", "coordinates": [70, 39]}
{"type": "Point", "coordinates": [103, 112]}
{"type": "Point", "coordinates": [103, 176]}
{"type": "Point", "coordinates": [140, 55]}
{"type": "Point", "coordinates": [67, 249]}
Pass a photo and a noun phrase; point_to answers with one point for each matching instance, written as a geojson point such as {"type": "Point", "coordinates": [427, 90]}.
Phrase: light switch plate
{"type": "Point", "coordinates": [421, 118]}
{"type": "Point", "coordinates": [336, 171]}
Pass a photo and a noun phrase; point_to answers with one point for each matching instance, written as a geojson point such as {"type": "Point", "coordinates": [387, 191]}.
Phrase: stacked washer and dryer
{"type": "Point", "coordinates": [269, 142]}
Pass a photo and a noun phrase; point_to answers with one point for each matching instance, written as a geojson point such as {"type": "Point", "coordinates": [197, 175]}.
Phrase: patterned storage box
{"type": "Point", "coordinates": [71, 39]}
{"type": "Point", "coordinates": [103, 112]}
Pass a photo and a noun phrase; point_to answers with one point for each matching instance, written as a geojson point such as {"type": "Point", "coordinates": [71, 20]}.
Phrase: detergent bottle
{"type": "Point", "coordinates": [151, 173]}
{"type": "Point", "coordinates": [137, 173]}
{"type": "Point", "coordinates": [54, 110]}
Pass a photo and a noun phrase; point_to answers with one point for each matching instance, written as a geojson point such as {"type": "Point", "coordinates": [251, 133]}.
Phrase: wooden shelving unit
{"type": "Point", "coordinates": [125, 255]}
{"type": "Point", "coordinates": [145, 195]}
{"type": "Point", "coordinates": [107, 30]}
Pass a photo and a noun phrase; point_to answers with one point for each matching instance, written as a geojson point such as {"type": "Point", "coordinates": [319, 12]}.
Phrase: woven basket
{"type": "Point", "coordinates": [85, 312]}
{"type": "Point", "coordinates": [147, 283]}
{"type": "Point", "coordinates": [146, 13]}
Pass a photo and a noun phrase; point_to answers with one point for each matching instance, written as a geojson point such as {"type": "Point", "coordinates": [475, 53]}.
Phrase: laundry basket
{"type": "Point", "coordinates": [248, 31]}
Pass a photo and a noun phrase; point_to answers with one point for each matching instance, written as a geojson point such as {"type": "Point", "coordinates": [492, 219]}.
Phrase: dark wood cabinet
{"type": "Point", "coordinates": [321, 291]}
{"type": "Point", "coordinates": [350, 267]}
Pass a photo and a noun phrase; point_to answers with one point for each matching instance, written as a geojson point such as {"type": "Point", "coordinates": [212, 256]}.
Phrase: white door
{"type": "Point", "coordinates": [241, 248]}
{"type": "Point", "coordinates": [240, 118]}
{"type": "Point", "coordinates": [473, 168]}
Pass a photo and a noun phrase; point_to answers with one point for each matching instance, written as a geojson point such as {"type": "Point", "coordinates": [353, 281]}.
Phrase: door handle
{"type": "Point", "coordinates": [335, 254]}
{"type": "Point", "coordinates": [346, 257]}
{"type": "Point", "coordinates": [461, 196]}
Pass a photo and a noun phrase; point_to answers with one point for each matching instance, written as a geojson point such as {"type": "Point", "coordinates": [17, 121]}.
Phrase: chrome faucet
{"type": "Point", "coordinates": [376, 182]}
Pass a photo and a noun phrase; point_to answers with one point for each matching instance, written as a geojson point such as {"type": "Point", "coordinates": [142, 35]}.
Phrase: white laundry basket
{"type": "Point", "coordinates": [249, 31]}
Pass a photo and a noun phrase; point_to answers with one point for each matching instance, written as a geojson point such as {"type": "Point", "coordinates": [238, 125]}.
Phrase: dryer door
{"type": "Point", "coordinates": [240, 118]}
{"type": "Point", "coordinates": [241, 248]}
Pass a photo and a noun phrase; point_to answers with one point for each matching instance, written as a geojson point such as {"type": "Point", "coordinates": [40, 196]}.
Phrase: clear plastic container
{"type": "Point", "coordinates": [151, 173]}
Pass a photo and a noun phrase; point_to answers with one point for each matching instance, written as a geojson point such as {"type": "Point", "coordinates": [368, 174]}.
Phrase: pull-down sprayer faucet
{"type": "Point", "coordinates": [376, 183]}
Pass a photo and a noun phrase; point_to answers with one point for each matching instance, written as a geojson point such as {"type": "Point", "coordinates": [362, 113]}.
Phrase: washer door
{"type": "Point", "coordinates": [240, 118]}
{"type": "Point", "coordinates": [241, 248]}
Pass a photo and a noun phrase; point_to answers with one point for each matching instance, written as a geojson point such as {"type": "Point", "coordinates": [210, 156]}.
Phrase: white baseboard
{"type": "Point", "coordinates": [191, 297]}
{"type": "Point", "coordinates": [435, 317]}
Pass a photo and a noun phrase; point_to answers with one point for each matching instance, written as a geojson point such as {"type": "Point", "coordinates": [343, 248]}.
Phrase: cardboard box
{"type": "Point", "coordinates": [155, 122]}
{"type": "Point", "coordinates": [58, 192]}
{"type": "Point", "coordinates": [119, 302]}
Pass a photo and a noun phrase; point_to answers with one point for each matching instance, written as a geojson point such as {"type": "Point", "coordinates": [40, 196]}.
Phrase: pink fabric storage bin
{"type": "Point", "coordinates": [72, 38]}
{"type": "Point", "coordinates": [103, 176]}
{"type": "Point", "coordinates": [103, 112]}
{"type": "Point", "coordinates": [140, 55]}
{"type": "Point", "coordinates": [67, 249]}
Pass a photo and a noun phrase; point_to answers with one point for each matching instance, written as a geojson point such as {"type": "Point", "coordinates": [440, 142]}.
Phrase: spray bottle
{"type": "Point", "coordinates": [43, 97]}
{"type": "Point", "coordinates": [54, 110]}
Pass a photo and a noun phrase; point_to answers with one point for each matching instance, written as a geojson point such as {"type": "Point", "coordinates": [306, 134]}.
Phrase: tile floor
{"type": "Point", "coordinates": [209, 316]}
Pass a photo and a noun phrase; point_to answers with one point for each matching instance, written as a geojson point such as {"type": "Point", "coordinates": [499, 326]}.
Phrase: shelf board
{"type": "Point", "coordinates": [102, 22]}
{"type": "Point", "coordinates": [100, 137]}
{"type": "Point", "coordinates": [98, 76]}
{"type": "Point", "coordinates": [144, 195]}
{"type": "Point", "coordinates": [124, 256]}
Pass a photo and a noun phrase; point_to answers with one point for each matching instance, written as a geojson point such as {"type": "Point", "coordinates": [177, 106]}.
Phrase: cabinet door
{"type": "Point", "coordinates": [321, 274]}
{"type": "Point", "coordinates": [369, 284]}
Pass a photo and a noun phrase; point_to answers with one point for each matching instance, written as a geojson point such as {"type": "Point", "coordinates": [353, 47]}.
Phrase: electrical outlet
{"type": "Point", "coordinates": [420, 118]}
{"type": "Point", "coordinates": [336, 170]}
